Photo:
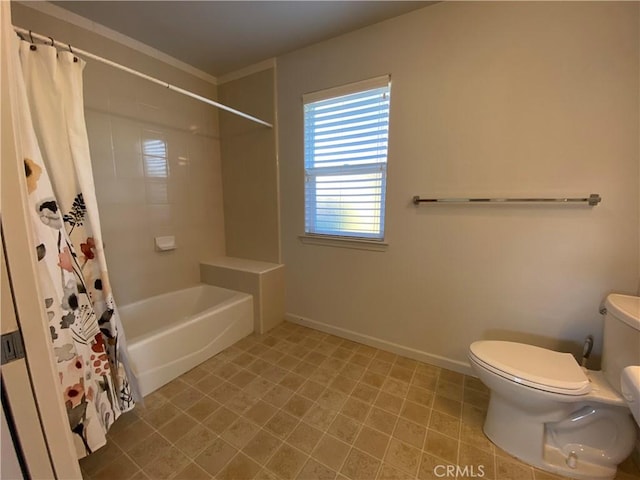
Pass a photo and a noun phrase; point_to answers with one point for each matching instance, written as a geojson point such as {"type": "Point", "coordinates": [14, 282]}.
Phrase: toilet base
{"type": "Point", "coordinates": [553, 460]}
{"type": "Point", "coordinates": [525, 437]}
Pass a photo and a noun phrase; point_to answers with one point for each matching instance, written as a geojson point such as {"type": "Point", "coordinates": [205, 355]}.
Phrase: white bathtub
{"type": "Point", "coordinates": [169, 334]}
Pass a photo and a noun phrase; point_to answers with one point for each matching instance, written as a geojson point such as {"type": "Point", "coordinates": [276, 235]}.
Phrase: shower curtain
{"type": "Point", "coordinates": [86, 335]}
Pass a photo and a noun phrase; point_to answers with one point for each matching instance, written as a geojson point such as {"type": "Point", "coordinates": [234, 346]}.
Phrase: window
{"type": "Point", "coordinates": [346, 132]}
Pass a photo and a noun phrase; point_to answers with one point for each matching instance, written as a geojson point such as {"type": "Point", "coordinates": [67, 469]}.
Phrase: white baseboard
{"type": "Point", "coordinates": [409, 352]}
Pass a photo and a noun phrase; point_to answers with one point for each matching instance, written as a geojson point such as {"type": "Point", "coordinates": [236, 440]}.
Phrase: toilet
{"type": "Point", "coordinates": [551, 413]}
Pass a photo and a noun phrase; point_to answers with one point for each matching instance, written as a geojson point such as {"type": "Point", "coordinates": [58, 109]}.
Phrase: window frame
{"type": "Point", "coordinates": [364, 241]}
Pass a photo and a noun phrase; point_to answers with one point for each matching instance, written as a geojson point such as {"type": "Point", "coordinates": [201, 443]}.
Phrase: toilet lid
{"type": "Point", "coordinates": [532, 366]}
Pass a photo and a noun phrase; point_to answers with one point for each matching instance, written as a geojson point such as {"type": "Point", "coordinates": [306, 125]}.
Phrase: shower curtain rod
{"type": "Point", "coordinates": [84, 53]}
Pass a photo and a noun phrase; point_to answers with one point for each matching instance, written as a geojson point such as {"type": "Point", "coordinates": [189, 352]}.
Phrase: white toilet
{"type": "Point", "coordinates": [549, 412]}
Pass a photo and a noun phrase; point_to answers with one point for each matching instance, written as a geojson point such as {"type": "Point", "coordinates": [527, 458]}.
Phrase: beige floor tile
{"type": "Point", "coordinates": [179, 426]}
{"type": "Point", "coordinates": [389, 472]}
{"type": "Point", "coordinates": [149, 450]}
{"type": "Point", "coordinates": [379, 366]}
{"type": "Point", "coordinates": [381, 420]}
{"type": "Point", "coordinates": [172, 388]}
{"type": "Point", "coordinates": [343, 384]}
{"type": "Point", "coordinates": [444, 424]}
{"type": "Point", "coordinates": [344, 428]}
{"type": "Point", "coordinates": [372, 442]}
{"type": "Point", "coordinates": [356, 409]}
{"type": "Point", "coordinates": [192, 472]}
{"type": "Point", "coordinates": [448, 406]}
{"type": "Point", "coordinates": [165, 466]}
{"type": "Point", "coordinates": [395, 387]}
{"type": "Point", "coordinates": [161, 415]}
{"type": "Point", "coordinates": [281, 424]}
{"type": "Point", "coordinates": [215, 456]}
{"type": "Point", "coordinates": [365, 392]}
{"type": "Point", "coordinates": [451, 376]}
{"type": "Point", "coordinates": [426, 381]}
{"type": "Point", "coordinates": [311, 389]}
{"type": "Point", "coordinates": [410, 432]}
{"type": "Point", "coordinates": [360, 466]}
{"type": "Point", "coordinates": [416, 413]}
{"type": "Point", "coordinates": [261, 412]}
{"type": "Point", "coordinates": [406, 362]}
{"type": "Point", "coordinates": [452, 391]}
{"type": "Point", "coordinates": [287, 462]}
{"type": "Point", "coordinates": [304, 437]}
{"type": "Point", "coordinates": [441, 446]}
{"type": "Point", "coordinates": [262, 446]}
{"type": "Point", "coordinates": [403, 456]}
{"type": "Point", "coordinates": [331, 452]}
{"type": "Point", "coordinates": [297, 406]}
{"type": "Point", "coordinates": [432, 468]}
{"type": "Point", "coordinates": [226, 371]}
{"type": "Point", "coordinates": [259, 387]}
{"type": "Point", "coordinates": [224, 392]}
{"type": "Point", "coordinates": [132, 436]}
{"type": "Point", "coordinates": [240, 432]}
{"type": "Point", "coordinates": [202, 408]}
{"type": "Point", "coordinates": [373, 379]}
{"type": "Point", "coordinates": [389, 402]}
{"type": "Point", "coordinates": [195, 441]}
{"type": "Point", "coordinates": [121, 468]}
{"type": "Point", "coordinates": [292, 381]}
{"type": "Point", "coordinates": [320, 417]}
{"type": "Point", "coordinates": [278, 396]}
{"type": "Point", "coordinates": [401, 373]}
{"type": "Point", "coordinates": [100, 458]}
{"type": "Point", "coordinates": [420, 395]}
{"type": "Point", "coordinates": [241, 402]}
{"type": "Point", "coordinates": [313, 470]}
{"type": "Point", "coordinates": [194, 375]}
{"type": "Point", "coordinates": [209, 383]}
{"type": "Point", "coordinates": [331, 399]}
{"type": "Point", "coordinates": [386, 356]}
{"type": "Point", "coordinates": [476, 398]}
{"type": "Point", "coordinates": [220, 420]}
{"type": "Point", "coordinates": [513, 470]}
{"type": "Point", "coordinates": [478, 460]}
{"type": "Point", "coordinates": [240, 467]}
{"type": "Point", "coordinates": [186, 398]}
{"type": "Point", "coordinates": [475, 383]}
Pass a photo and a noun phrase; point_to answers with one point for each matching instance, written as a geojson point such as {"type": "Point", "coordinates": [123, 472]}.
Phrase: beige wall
{"type": "Point", "coordinates": [488, 99]}
{"type": "Point", "coordinates": [249, 168]}
{"type": "Point", "coordinates": [122, 112]}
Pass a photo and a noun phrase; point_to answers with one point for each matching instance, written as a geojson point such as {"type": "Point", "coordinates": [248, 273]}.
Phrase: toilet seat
{"type": "Point", "coordinates": [532, 366]}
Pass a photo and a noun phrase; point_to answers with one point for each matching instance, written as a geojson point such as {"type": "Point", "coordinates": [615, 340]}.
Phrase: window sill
{"type": "Point", "coordinates": [344, 242]}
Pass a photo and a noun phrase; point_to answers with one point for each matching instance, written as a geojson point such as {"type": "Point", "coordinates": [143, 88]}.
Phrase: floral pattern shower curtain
{"type": "Point", "coordinates": [86, 335]}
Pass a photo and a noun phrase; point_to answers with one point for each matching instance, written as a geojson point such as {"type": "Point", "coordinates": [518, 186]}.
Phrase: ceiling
{"type": "Point", "coordinates": [219, 37]}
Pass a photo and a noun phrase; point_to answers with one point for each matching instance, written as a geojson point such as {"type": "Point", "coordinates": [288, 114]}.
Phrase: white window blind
{"type": "Point", "coordinates": [346, 134]}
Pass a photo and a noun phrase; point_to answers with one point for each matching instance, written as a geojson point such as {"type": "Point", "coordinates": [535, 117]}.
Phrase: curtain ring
{"type": "Point", "coordinates": [53, 44]}
{"type": "Point", "coordinates": [32, 47]}
{"type": "Point", "coordinates": [75, 59]}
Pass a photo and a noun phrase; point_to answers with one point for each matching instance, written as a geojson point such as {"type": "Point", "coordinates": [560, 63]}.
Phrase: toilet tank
{"type": "Point", "coordinates": [621, 336]}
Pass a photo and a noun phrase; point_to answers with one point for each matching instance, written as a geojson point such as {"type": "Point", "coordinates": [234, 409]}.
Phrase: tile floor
{"type": "Point", "coordinates": [301, 404]}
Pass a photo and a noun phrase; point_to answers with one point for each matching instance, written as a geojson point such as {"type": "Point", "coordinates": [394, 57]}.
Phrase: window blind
{"type": "Point", "coordinates": [346, 141]}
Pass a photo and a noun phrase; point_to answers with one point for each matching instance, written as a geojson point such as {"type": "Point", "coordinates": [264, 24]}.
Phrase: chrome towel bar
{"type": "Point", "coordinates": [592, 200]}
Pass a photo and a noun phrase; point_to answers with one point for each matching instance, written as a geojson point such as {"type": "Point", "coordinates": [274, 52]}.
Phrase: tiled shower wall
{"type": "Point", "coordinates": [156, 164]}
{"type": "Point", "coordinates": [154, 177]}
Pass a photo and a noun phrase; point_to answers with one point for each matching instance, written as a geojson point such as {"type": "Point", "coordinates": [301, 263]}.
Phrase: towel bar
{"type": "Point", "coordinates": [593, 200]}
